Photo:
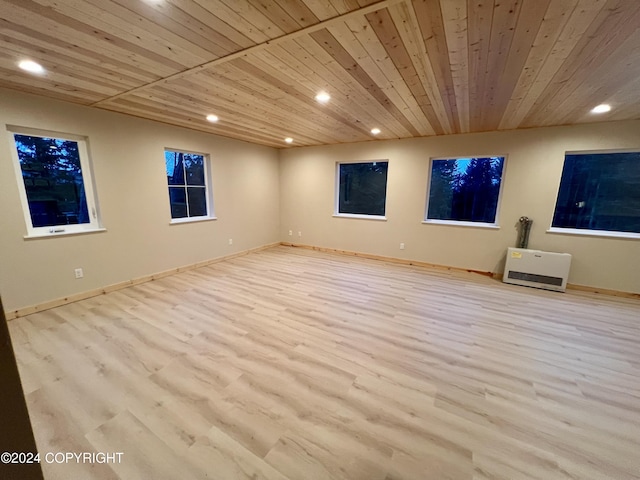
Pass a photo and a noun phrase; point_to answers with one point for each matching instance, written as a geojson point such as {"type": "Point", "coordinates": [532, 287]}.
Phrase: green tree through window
{"type": "Point", "coordinates": [465, 189]}
{"type": "Point", "coordinates": [53, 180]}
{"type": "Point", "coordinates": [187, 184]}
{"type": "Point", "coordinates": [363, 188]}
{"type": "Point", "coordinates": [599, 191]}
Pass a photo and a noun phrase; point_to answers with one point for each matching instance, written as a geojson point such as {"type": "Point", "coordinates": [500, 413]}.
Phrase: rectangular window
{"type": "Point", "coordinates": [599, 191]}
{"type": "Point", "coordinates": [187, 178]}
{"type": "Point", "coordinates": [55, 182]}
{"type": "Point", "coordinates": [465, 190]}
{"type": "Point", "coordinates": [362, 188]}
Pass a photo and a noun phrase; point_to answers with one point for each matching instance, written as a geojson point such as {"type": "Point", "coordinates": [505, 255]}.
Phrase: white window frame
{"type": "Point", "coordinates": [583, 231]}
{"type": "Point", "coordinates": [464, 223]}
{"type": "Point", "coordinates": [207, 185]}
{"type": "Point", "coordinates": [363, 216]}
{"type": "Point", "coordinates": [94, 224]}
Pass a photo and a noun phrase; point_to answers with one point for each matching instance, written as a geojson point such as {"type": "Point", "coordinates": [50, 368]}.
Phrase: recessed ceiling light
{"type": "Point", "coordinates": [31, 66]}
{"type": "Point", "coordinates": [212, 118]}
{"type": "Point", "coordinates": [603, 108]}
{"type": "Point", "coordinates": [323, 97]}
{"type": "Point", "coordinates": [375, 131]}
{"type": "Point", "coordinates": [288, 140]}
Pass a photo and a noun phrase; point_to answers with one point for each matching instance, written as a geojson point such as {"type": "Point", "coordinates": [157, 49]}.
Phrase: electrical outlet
{"type": "Point", "coordinates": [290, 232]}
{"type": "Point", "coordinates": [299, 234]}
{"type": "Point", "coordinates": [79, 273]}
{"type": "Point", "coordinates": [231, 241]}
{"type": "Point", "coordinates": [402, 246]}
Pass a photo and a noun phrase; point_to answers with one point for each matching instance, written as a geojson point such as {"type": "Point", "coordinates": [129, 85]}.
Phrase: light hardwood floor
{"type": "Point", "coordinates": [300, 365]}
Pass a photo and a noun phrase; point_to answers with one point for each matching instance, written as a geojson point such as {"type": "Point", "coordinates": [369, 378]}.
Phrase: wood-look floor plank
{"type": "Point", "coordinates": [288, 364]}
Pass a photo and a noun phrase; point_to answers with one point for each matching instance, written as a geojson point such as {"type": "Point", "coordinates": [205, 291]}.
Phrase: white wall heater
{"type": "Point", "coordinates": [533, 268]}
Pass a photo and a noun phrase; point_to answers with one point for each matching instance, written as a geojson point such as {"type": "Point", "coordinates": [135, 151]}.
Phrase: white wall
{"type": "Point", "coordinates": [258, 199]}
{"type": "Point", "coordinates": [533, 168]}
{"type": "Point", "coordinates": [128, 163]}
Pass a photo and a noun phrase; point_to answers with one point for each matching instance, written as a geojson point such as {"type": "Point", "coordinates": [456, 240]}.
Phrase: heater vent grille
{"type": "Point", "coordinates": [533, 277]}
{"type": "Point", "coordinates": [534, 268]}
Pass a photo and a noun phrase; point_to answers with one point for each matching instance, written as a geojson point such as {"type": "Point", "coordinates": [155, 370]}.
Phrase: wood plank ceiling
{"type": "Point", "coordinates": [408, 67]}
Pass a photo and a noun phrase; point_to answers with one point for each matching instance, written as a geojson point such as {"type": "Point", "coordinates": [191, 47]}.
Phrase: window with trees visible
{"type": "Point", "coordinates": [465, 190]}
{"type": "Point", "coordinates": [362, 188]}
{"type": "Point", "coordinates": [187, 178]}
{"type": "Point", "coordinates": [55, 182]}
{"type": "Point", "coordinates": [599, 191]}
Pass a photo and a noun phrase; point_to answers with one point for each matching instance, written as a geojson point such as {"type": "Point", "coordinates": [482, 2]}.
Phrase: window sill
{"type": "Point", "coordinates": [595, 233]}
{"type": "Point", "coordinates": [35, 236]}
{"type": "Point", "coordinates": [361, 217]}
{"type": "Point", "coordinates": [452, 223]}
{"type": "Point", "coordinates": [178, 221]}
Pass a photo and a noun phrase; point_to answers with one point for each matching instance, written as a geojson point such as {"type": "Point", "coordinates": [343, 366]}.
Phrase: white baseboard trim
{"type": "Point", "coordinates": [498, 275]}
{"type": "Point", "coordinates": [21, 312]}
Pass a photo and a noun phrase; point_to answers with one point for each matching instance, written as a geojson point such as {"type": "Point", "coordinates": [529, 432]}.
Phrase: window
{"type": "Point", "coordinates": [55, 182]}
{"type": "Point", "coordinates": [187, 177]}
{"type": "Point", "coordinates": [362, 189]}
{"type": "Point", "coordinates": [465, 190]}
{"type": "Point", "coordinates": [599, 191]}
